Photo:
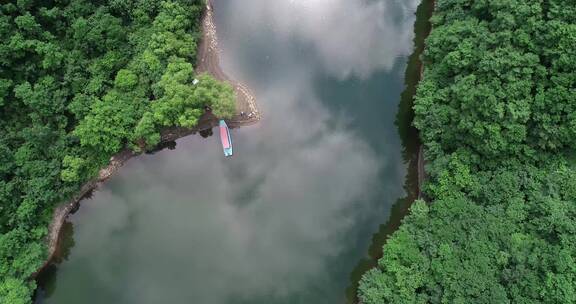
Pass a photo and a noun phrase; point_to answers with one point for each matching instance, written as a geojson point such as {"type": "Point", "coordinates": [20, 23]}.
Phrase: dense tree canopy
{"type": "Point", "coordinates": [79, 81]}
{"type": "Point", "coordinates": [501, 75]}
{"type": "Point", "coordinates": [496, 110]}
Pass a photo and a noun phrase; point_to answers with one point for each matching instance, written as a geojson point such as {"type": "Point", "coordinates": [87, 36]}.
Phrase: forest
{"type": "Point", "coordinates": [496, 111]}
{"type": "Point", "coordinates": [81, 80]}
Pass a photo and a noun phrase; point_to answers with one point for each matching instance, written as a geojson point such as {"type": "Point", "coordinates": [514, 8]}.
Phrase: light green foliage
{"type": "Point", "coordinates": [181, 101]}
{"type": "Point", "coordinates": [219, 96]}
{"type": "Point", "coordinates": [109, 123]}
{"type": "Point", "coordinates": [169, 38]}
{"type": "Point", "coordinates": [177, 96]}
{"type": "Point", "coordinates": [125, 80]}
{"type": "Point", "coordinates": [80, 81]}
{"type": "Point", "coordinates": [14, 291]}
{"type": "Point", "coordinates": [496, 110]}
{"type": "Point", "coordinates": [72, 168]}
{"type": "Point", "coordinates": [146, 130]}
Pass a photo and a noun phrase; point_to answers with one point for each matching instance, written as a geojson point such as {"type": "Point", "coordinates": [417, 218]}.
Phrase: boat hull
{"type": "Point", "coordinates": [225, 138]}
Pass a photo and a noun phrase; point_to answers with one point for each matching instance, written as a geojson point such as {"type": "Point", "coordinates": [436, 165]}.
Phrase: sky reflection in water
{"type": "Point", "coordinates": [290, 214]}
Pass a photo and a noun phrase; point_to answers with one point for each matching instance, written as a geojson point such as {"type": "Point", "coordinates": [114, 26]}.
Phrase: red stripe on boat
{"type": "Point", "coordinates": [224, 137]}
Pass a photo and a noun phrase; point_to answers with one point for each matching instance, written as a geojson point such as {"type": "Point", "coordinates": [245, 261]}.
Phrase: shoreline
{"type": "Point", "coordinates": [421, 160]}
{"type": "Point", "coordinates": [415, 161]}
{"type": "Point", "coordinates": [422, 175]}
{"type": "Point", "coordinates": [208, 61]}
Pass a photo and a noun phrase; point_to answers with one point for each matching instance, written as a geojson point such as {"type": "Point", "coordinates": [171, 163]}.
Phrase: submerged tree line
{"type": "Point", "coordinates": [79, 81]}
{"type": "Point", "coordinates": [496, 110]}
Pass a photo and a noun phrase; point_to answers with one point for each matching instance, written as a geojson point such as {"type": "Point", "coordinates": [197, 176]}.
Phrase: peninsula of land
{"type": "Point", "coordinates": [208, 62]}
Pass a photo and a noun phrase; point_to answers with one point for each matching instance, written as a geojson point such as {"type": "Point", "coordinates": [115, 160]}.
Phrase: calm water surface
{"type": "Point", "coordinates": [288, 218]}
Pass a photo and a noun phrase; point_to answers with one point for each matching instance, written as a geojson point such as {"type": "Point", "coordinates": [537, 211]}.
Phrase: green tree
{"type": "Point", "coordinates": [79, 82]}
{"type": "Point", "coordinates": [495, 110]}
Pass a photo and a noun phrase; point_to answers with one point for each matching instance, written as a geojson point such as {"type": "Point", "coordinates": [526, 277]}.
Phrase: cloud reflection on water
{"type": "Point", "coordinates": [354, 37]}
{"type": "Point", "coordinates": [190, 226]}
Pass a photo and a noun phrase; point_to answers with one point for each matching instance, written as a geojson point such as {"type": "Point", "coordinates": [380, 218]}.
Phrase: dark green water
{"type": "Point", "coordinates": [289, 217]}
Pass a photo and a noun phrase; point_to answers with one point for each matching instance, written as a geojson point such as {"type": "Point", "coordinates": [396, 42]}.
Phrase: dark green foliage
{"type": "Point", "coordinates": [517, 246]}
{"type": "Point", "coordinates": [496, 110]}
{"type": "Point", "coordinates": [502, 77]}
{"type": "Point", "coordinates": [79, 81]}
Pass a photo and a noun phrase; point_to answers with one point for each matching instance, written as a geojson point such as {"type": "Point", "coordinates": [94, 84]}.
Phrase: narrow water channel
{"type": "Point", "coordinates": [289, 217]}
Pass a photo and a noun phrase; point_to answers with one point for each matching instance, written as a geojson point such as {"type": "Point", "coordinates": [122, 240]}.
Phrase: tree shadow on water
{"type": "Point", "coordinates": [46, 280]}
{"type": "Point", "coordinates": [410, 143]}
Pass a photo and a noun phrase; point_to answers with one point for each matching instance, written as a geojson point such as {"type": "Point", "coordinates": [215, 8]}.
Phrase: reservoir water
{"type": "Point", "coordinates": [289, 217]}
